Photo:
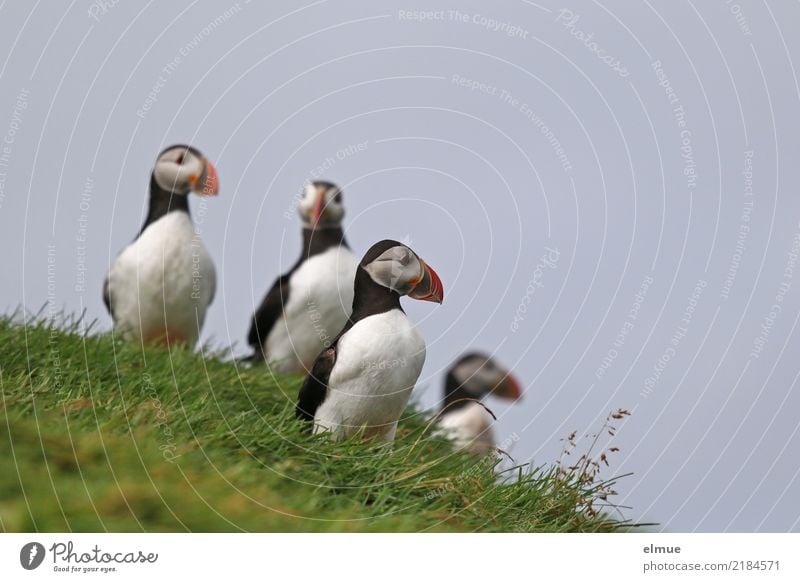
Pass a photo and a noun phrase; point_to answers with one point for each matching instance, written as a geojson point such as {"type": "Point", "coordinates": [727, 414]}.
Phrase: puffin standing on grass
{"type": "Point", "coordinates": [362, 382]}
{"type": "Point", "coordinates": [160, 285]}
{"type": "Point", "coordinates": [462, 418]}
{"type": "Point", "coordinates": [307, 306]}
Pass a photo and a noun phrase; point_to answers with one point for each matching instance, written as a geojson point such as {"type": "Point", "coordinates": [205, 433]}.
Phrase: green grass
{"type": "Point", "coordinates": [98, 435]}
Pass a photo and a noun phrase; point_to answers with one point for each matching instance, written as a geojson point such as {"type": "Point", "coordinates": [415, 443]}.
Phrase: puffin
{"type": "Point", "coordinates": [308, 305]}
{"type": "Point", "coordinates": [462, 418]}
{"type": "Point", "coordinates": [361, 383]}
{"type": "Point", "coordinates": [160, 286]}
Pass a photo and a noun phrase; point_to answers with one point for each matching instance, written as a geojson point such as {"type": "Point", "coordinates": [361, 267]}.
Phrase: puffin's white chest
{"type": "Point", "coordinates": [378, 362]}
{"type": "Point", "coordinates": [320, 301]}
{"type": "Point", "coordinates": [469, 427]}
{"type": "Point", "coordinates": [162, 283]}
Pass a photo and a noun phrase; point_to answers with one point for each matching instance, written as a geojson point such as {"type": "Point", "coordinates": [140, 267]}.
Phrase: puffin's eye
{"type": "Point", "coordinates": [181, 158]}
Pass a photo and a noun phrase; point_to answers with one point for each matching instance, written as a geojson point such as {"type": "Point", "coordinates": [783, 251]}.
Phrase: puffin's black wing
{"type": "Point", "coordinates": [315, 386]}
{"type": "Point", "coordinates": [107, 296]}
{"type": "Point", "coordinates": [268, 312]}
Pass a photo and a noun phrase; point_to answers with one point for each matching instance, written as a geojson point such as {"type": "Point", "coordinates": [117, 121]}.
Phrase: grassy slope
{"type": "Point", "coordinates": [97, 435]}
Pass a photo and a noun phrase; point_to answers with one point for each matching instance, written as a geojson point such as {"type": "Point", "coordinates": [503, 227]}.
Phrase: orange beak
{"type": "Point", "coordinates": [509, 389]}
{"type": "Point", "coordinates": [208, 183]}
{"type": "Point", "coordinates": [430, 287]}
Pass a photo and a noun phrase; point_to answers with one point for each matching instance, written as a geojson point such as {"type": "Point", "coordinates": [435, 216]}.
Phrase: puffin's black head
{"type": "Point", "coordinates": [321, 205]}
{"type": "Point", "coordinates": [475, 375]}
{"type": "Point", "coordinates": [396, 267]}
{"type": "Point", "coordinates": [180, 169]}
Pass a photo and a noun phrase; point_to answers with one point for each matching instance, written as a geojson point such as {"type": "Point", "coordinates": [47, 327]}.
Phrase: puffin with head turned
{"type": "Point", "coordinates": [308, 305]}
{"type": "Point", "coordinates": [159, 287]}
{"type": "Point", "coordinates": [462, 418]}
{"type": "Point", "coordinates": [361, 383]}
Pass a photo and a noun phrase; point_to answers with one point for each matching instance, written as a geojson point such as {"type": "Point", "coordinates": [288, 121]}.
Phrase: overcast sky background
{"type": "Point", "coordinates": [624, 171]}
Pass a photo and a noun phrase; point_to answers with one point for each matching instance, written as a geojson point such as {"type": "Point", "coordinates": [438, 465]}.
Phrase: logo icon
{"type": "Point", "coordinates": [31, 555]}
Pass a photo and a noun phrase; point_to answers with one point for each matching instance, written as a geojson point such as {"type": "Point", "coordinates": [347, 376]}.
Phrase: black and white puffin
{"type": "Point", "coordinates": [307, 306]}
{"type": "Point", "coordinates": [160, 285]}
{"type": "Point", "coordinates": [464, 420]}
{"type": "Point", "coordinates": [362, 382]}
